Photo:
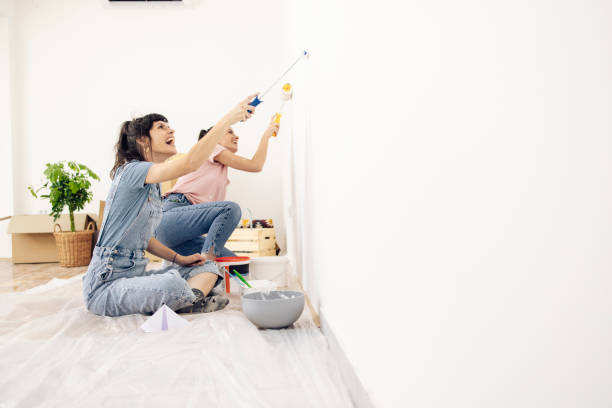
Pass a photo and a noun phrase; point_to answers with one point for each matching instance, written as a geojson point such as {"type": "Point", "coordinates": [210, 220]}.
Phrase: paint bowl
{"type": "Point", "coordinates": [259, 286]}
{"type": "Point", "coordinates": [273, 310]}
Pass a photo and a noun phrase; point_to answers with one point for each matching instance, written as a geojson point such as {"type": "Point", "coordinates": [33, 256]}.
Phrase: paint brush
{"type": "Point", "coordinates": [237, 280]}
{"type": "Point", "coordinates": [241, 278]}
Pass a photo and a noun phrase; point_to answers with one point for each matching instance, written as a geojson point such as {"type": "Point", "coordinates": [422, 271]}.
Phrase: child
{"type": "Point", "coordinates": [196, 206]}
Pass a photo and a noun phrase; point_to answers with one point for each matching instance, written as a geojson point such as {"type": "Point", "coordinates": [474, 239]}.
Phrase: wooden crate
{"type": "Point", "coordinates": [252, 242]}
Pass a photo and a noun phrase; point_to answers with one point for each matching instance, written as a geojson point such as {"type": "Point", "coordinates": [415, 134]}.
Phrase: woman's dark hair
{"type": "Point", "coordinates": [128, 148]}
{"type": "Point", "coordinates": [204, 132]}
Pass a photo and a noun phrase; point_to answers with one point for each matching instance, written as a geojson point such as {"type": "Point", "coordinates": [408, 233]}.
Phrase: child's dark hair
{"type": "Point", "coordinates": [127, 147]}
{"type": "Point", "coordinates": [204, 132]}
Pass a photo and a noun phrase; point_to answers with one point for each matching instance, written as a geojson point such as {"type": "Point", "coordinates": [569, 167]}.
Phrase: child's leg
{"type": "Point", "coordinates": [183, 224]}
{"type": "Point", "coordinates": [222, 228]}
{"type": "Point", "coordinates": [196, 245]}
{"type": "Point", "coordinates": [204, 281]}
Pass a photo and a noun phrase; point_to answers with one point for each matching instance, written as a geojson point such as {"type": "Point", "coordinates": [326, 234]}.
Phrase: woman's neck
{"type": "Point", "coordinates": [158, 157]}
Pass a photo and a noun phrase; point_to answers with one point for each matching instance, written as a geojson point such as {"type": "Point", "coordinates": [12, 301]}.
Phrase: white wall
{"type": "Point", "coordinates": [6, 123]}
{"type": "Point", "coordinates": [459, 167]}
{"type": "Point", "coordinates": [6, 156]}
{"type": "Point", "coordinates": [84, 67]}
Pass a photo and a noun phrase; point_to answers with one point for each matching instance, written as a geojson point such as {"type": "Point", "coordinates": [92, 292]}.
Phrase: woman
{"type": "Point", "coordinates": [116, 282]}
{"type": "Point", "coordinates": [195, 206]}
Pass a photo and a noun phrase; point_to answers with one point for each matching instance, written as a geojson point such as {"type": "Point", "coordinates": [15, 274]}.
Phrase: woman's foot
{"type": "Point", "coordinates": [205, 304]}
{"type": "Point", "coordinates": [214, 303]}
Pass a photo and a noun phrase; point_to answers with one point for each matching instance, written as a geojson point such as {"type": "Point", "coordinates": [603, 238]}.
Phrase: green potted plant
{"type": "Point", "coordinates": [68, 185]}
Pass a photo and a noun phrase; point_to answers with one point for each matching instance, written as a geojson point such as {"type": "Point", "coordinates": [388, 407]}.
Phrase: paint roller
{"type": "Point", "coordinates": [259, 98]}
{"type": "Point", "coordinates": [286, 94]}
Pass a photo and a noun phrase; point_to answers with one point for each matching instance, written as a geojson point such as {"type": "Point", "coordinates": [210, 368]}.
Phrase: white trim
{"type": "Point", "coordinates": [358, 393]}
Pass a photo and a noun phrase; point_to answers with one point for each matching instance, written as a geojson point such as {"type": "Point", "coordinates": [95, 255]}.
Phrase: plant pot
{"type": "Point", "coordinates": [74, 248]}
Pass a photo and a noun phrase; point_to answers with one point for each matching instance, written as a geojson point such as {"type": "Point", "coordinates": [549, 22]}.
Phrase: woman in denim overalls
{"type": "Point", "coordinates": [116, 282]}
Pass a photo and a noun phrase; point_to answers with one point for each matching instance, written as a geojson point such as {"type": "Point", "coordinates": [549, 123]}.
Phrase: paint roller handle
{"type": "Point", "coordinates": [255, 102]}
{"type": "Point", "coordinates": [276, 123]}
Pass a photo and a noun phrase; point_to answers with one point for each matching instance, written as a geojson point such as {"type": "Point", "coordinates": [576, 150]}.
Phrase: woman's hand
{"type": "Point", "coordinates": [242, 111]}
{"type": "Point", "coordinates": [273, 127]}
{"type": "Point", "coordinates": [191, 260]}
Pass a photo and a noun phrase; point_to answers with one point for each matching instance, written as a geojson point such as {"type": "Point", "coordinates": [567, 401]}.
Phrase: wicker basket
{"type": "Point", "coordinates": [74, 248]}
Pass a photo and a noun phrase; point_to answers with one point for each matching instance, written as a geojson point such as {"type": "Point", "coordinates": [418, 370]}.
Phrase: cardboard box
{"type": "Point", "coordinates": [32, 235]}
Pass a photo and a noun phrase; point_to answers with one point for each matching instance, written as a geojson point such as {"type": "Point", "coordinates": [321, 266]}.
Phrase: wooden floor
{"type": "Point", "coordinates": [20, 277]}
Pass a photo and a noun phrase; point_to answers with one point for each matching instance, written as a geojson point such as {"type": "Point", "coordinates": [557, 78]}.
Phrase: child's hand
{"type": "Point", "coordinates": [191, 260]}
{"type": "Point", "coordinates": [273, 127]}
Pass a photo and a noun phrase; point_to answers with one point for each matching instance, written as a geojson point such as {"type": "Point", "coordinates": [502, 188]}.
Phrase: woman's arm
{"type": "Point", "coordinates": [254, 164]}
{"type": "Point", "coordinates": [200, 152]}
{"type": "Point", "coordinates": [158, 249]}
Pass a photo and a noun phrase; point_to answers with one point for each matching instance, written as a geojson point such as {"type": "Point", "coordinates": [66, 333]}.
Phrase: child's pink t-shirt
{"type": "Point", "coordinates": [208, 183]}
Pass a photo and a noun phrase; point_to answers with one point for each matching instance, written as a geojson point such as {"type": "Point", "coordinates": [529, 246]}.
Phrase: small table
{"type": "Point", "coordinates": [228, 261]}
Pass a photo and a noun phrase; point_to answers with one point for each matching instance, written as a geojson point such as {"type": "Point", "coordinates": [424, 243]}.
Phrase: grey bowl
{"type": "Point", "coordinates": [273, 310]}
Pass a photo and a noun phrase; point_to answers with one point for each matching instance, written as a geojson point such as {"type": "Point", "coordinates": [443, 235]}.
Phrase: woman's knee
{"type": "Point", "coordinates": [234, 211]}
{"type": "Point", "coordinates": [171, 282]}
{"type": "Point", "coordinates": [175, 290]}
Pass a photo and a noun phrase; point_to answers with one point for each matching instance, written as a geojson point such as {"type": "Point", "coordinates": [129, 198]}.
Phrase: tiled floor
{"type": "Point", "coordinates": [20, 277]}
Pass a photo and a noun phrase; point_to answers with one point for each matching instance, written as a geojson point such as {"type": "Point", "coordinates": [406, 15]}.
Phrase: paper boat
{"type": "Point", "coordinates": [163, 320]}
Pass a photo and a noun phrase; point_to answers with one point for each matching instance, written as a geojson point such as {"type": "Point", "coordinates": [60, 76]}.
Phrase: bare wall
{"type": "Point", "coordinates": [458, 163]}
{"type": "Point", "coordinates": [84, 67]}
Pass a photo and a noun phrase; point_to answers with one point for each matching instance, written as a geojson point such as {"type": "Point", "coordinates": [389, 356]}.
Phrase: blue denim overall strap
{"type": "Point", "coordinates": [142, 229]}
{"type": "Point", "coordinates": [100, 254]}
{"type": "Point", "coordinates": [142, 225]}
{"type": "Point", "coordinates": [110, 198]}
{"type": "Point", "coordinates": [135, 238]}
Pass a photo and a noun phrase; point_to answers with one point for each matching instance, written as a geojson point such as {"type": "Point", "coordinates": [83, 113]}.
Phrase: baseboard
{"type": "Point", "coordinates": [358, 393]}
{"type": "Point", "coordinates": [313, 312]}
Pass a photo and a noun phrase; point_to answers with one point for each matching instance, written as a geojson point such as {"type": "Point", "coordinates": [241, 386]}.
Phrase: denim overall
{"type": "Point", "coordinates": [117, 282]}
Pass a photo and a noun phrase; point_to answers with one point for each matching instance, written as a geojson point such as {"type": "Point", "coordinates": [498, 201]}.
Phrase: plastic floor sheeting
{"type": "Point", "coordinates": [54, 353]}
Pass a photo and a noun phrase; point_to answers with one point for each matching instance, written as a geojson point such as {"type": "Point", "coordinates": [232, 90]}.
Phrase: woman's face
{"type": "Point", "coordinates": [162, 142]}
{"type": "Point", "coordinates": [230, 141]}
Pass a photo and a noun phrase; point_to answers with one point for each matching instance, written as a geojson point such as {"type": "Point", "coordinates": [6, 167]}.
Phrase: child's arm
{"type": "Point", "coordinates": [158, 249]}
{"type": "Point", "coordinates": [255, 164]}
